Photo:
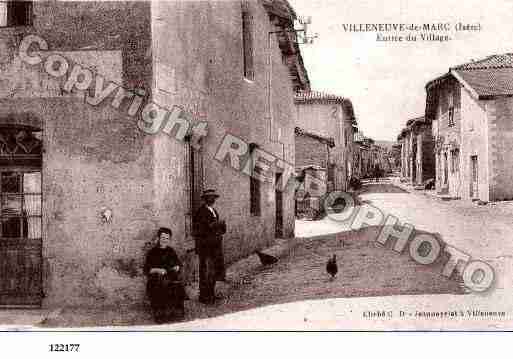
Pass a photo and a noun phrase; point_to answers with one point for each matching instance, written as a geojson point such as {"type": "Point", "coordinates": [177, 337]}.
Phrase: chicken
{"type": "Point", "coordinates": [266, 259]}
{"type": "Point", "coordinates": [331, 266]}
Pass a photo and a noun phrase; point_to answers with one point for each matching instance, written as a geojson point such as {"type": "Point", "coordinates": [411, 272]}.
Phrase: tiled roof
{"type": "Point", "coordinates": [490, 62]}
{"type": "Point", "coordinates": [317, 96]}
{"type": "Point", "coordinates": [488, 82]}
{"type": "Point", "coordinates": [322, 97]}
{"type": "Point", "coordinates": [489, 77]}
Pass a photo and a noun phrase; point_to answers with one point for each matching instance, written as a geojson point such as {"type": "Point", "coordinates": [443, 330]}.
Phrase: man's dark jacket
{"type": "Point", "coordinates": [208, 232]}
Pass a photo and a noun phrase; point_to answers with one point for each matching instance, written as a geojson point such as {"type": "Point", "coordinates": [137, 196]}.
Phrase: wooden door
{"type": "Point", "coordinates": [474, 182]}
{"type": "Point", "coordinates": [20, 219]}
{"type": "Point", "coordinates": [20, 268]}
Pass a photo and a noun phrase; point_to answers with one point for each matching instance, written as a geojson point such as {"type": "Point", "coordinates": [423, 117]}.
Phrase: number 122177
{"type": "Point", "coordinates": [64, 347]}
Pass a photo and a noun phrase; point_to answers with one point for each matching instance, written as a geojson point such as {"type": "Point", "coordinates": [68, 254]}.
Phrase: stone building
{"type": "Point", "coordinates": [312, 149]}
{"type": "Point", "coordinates": [417, 151]}
{"type": "Point", "coordinates": [472, 112]}
{"type": "Point", "coordinates": [92, 165]}
{"type": "Point", "coordinates": [313, 170]}
{"type": "Point", "coordinates": [329, 116]}
{"type": "Point", "coordinates": [313, 153]}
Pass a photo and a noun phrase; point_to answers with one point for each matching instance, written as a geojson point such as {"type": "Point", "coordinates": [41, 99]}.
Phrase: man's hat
{"type": "Point", "coordinates": [209, 193]}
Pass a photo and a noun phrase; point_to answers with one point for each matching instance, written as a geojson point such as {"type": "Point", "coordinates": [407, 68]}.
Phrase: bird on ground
{"type": "Point", "coordinates": [266, 259]}
{"type": "Point", "coordinates": [331, 266]}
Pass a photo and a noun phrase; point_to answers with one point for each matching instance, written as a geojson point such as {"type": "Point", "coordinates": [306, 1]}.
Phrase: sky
{"type": "Point", "coordinates": [385, 81]}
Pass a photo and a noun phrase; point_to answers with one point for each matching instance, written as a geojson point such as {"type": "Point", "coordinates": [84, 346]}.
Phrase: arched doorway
{"type": "Point", "coordinates": [20, 216]}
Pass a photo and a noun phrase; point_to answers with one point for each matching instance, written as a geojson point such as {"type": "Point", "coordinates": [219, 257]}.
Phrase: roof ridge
{"type": "Point", "coordinates": [495, 61]}
{"type": "Point", "coordinates": [484, 67]}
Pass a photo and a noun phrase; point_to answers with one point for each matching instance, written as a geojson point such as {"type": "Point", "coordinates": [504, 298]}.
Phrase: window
{"type": "Point", "coordinates": [455, 161]}
{"type": "Point", "coordinates": [247, 44]}
{"type": "Point", "coordinates": [15, 13]}
{"type": "Point", "coordinates": [473, 160]}
{"type": "Point", "coordinates": [20, 204]}
{"type": "Point", "coordinates": [450, 122]}
{"type": "Point", "coordinates": [20, 184]}
{"type": "Point", "coordinates": [451, 109]}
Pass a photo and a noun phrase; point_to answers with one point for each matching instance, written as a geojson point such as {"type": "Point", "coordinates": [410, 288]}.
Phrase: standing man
{"type": "Point", "coordinates": [209, 230]}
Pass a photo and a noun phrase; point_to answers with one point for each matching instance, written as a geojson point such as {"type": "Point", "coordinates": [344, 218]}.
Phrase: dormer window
{"type": "Point", "coordinates": [15, 13]}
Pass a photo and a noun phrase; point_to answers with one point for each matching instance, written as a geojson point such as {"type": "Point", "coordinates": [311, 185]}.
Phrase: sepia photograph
{"type": "Point", "coordinates": [256, 165]}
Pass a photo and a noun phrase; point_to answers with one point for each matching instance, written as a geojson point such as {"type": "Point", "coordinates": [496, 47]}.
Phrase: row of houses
{"type": "Point", "coordinates": [417, 148]}
{"type": "Point", "coordinates": [369, 156]}
{"type": "Point", "coordinates": [83, 189]}
{"type": "Point", "coordinates": [464, 139]}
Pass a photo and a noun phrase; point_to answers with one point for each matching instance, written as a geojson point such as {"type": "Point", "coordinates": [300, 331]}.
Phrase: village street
{"type": "Point", "coordinates": [300, 286]}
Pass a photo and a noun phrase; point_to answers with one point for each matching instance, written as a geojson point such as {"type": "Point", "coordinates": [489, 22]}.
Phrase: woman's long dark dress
{"type": "Point", "coordinates": [166, 292]}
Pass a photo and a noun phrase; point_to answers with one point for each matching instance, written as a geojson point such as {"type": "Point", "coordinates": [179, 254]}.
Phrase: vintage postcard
{"type": "Point", "coordinates": [256, 165]}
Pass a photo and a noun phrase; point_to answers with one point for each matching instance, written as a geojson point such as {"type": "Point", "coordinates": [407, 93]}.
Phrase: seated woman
{"type": "Point", "coordinates": [164, 287]}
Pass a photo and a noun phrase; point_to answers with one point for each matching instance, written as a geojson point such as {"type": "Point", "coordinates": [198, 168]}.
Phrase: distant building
{"type": "Point", "coordinates": [314, 171]}
{"type": "Point", "coordinates": [472, 112]}
{"type": "Point", "coordinates": [417, 151]}
{"type": "Point", "coordinates": [368, 156]}
{"type": "Point", "coordinates": [329, 116]}
{"type": "Point", "coordinates": [364, 159]}
{"type": "Point", "coordinates": [314, 152]}
{"type": "Point", "coordinates": [396, 157]}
